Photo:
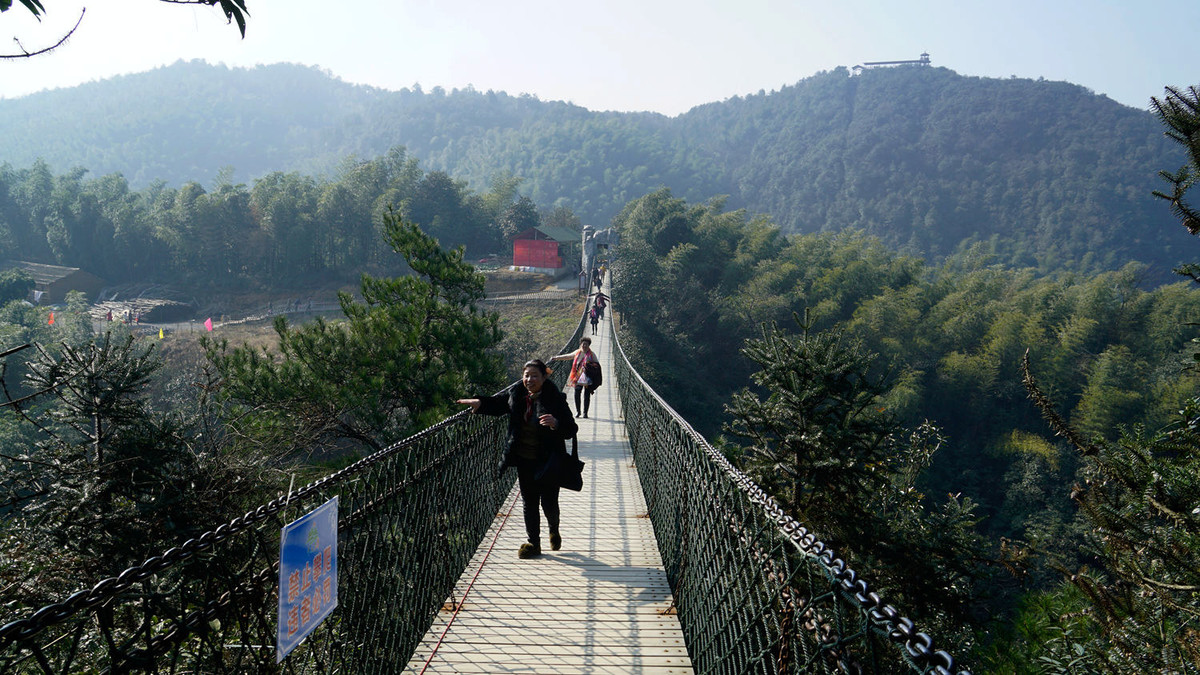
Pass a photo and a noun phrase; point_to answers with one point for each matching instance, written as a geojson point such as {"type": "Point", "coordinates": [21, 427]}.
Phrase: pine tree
{"type": "Point", "coordinates": [1141, 493]}
{"type": "Point", "coordinates": [1180, 112]}
{"type": "Point", "coordinates": [392, 367]}
{"type": "Point", "coordinates": [1141, 497]}
{"type": "Point", "coordinates": [819, 426]}
{"type": "Point", "coordinates": [838, 462]}
{"type": "Point", "coordinates": [104, 481]}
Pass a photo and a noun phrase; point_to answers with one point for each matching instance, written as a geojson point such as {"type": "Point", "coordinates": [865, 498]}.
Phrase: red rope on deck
{"type": "Point", "coordinates": [471, 585]}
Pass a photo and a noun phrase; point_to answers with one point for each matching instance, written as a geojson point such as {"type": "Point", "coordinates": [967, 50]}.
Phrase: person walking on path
{"type": "Point", "coordinates": [579, 378]}
{"type": "Point", "coordinates": [594, 317]}
{"type": "Point", "coordinates": [539, 423]}
{"type": "Point", "coordinates": [601, 303]}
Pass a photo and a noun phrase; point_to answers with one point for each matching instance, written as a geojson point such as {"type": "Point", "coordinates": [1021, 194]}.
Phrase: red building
{"type": "Point", "coordinates": [541, 247]}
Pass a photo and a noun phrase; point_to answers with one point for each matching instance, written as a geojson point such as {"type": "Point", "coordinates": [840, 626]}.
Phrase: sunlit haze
{"type": "Point", "coordinates": [628, 55]}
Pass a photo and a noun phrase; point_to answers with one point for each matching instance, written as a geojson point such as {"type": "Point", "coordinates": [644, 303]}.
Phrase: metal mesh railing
{"type": "Point", "coordinates": [410, 518]}
{"type": "Point", "coordinates": [755, 591]}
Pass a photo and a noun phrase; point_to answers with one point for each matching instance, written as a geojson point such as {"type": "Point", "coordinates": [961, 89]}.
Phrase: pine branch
{"type": "Point", "coordinates": [1056, 422]}
{"type": "Point", "coordinates": [25, 54]}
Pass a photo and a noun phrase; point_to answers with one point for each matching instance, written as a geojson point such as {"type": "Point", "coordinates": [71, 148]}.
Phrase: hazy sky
{"type": "Point", "coordinates": [660, 55]}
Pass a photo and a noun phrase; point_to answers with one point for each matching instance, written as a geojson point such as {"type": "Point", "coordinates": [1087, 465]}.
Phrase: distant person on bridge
{"type": "Point", "coordinates": [539, 423]}
{"type": "Point", "coordinates": [594, 317]}
{"type": "Point", "coordinates": [601, 303]}
{"type": "Point", "coordinates": [580, 358]}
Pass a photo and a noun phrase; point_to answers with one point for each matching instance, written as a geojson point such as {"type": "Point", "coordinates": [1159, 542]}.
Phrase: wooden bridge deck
{"type": "Point", "coordinates": [599, 605]}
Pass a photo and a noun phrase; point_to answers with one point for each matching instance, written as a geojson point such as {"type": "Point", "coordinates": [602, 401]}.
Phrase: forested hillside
{"type": "Point", "coordinates": [1046, 174]}
{"type": "Point", "coordinates": [1050, 175]}
{"type": "Point", "coordinates": [881, 400]}
{"type": "Point", "coordinates": [288, 230]}
{"type": "Point", "coordinates": [187, 122]}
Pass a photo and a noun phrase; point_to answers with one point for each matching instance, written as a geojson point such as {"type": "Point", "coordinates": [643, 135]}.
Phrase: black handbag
{"type": "Point", "coordinates": [563, 470]}
{"type": "Point", "coordinates": [595, 377]}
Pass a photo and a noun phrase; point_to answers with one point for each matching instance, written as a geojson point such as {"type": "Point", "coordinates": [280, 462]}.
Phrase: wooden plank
{"type": "Point", "coordinates": [609, 581]}
{"type": "Point", "coordinates": [602, 604]}
{"type": "Point", "coordinates": [580, 667]}
{"type": "Point", "coordinates": [616, 591]}
{"type": "Point", "coordinates": [549, 660]}
{"type": "Point", "coordinates": [507, 628]}
{"type": "Point", "coordinates": [543, 630]}
{"type": "Point", "coordinates": [602, 645]}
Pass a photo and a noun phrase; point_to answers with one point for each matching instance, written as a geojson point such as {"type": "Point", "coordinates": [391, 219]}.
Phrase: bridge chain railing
{"type": "Point", "coordinates": [410, 518]}
{"type": "Point", "coordinates": [755, 591]}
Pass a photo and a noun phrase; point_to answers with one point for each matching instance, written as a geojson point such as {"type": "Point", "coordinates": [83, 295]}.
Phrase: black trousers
{"type": "Point", "coordinates": [533, 494]}
{"type": "Point", "coordinates": [587, 398]}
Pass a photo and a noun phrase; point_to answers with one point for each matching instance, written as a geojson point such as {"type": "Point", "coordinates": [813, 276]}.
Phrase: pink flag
{"type": "Point", "coordinates": [208, 323]}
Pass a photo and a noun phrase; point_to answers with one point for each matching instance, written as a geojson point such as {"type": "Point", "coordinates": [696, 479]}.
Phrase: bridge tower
{"type": "Point", "coordinates": [593, 240]}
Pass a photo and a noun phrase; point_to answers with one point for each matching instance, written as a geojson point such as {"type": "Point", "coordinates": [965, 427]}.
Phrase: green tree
{"type": "Point", "coordinates": [15, 284]}
{"type": "Point", "coordinates": [1180, 112]}
{"type": "Point", "coordinates": [819, 426]}
{"type": "Point", "coordinates": [563, 216]}
{"type": "Point", "coordinates": [32, 194]}
{"type": "Point", "coordinates": [1115, 391]}
{"type": "Point", "coordinates": [136, 253]}
{"type": "Point", "coordinates": [1138, 492]}
{"type": "Point", "coordinates": [1138, 495]}
{"type": "Point", "coordinates": [440, 207]}
{"type": "Point", "coordinates": [105, 481]}
{"type": "Point", "coordinates": [502, 192]}
{"type": "Point", "coordinates": [223, 225]}
{"type": "Point", "coordinates": [286, 209]}
{"type": "Point", "coordinates": [518, 217]}
{"type": "Point", "coordinates": [389, 369]}
{"type": "Point", "coordinates": [821, 440]}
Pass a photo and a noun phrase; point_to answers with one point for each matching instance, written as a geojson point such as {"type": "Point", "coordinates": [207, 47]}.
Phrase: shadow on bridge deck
{"type": "Point", "coordinates": [599, 605]}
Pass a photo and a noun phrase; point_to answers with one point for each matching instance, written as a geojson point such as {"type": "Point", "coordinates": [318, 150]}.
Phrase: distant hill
{"type": "Point", "coordinates": [1044, 174]}
{"type": "Point", "coordinates": [1050, 173]}
{"type": "Point", "coordinates": [186, 122]}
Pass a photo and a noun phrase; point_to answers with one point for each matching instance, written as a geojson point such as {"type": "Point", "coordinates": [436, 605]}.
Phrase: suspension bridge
{"type": "Point", "coordinates": [672, 561]}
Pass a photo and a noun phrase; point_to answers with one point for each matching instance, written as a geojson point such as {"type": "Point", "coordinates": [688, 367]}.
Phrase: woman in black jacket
{"type": "Point", "coordinates": [539, 422]}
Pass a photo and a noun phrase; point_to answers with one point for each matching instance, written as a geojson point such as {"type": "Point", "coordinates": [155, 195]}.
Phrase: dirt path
{"type": "Point", "coordinates": [198, 326]}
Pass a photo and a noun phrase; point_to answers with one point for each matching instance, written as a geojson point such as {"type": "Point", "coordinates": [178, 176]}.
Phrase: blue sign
{"type": "Point", "coordinates": [307, 575]}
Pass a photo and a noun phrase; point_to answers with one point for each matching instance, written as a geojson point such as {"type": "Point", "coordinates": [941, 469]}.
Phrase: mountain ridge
{"type": "Point", "coordinates": [1043, 174]}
